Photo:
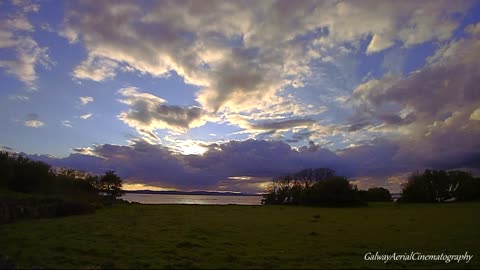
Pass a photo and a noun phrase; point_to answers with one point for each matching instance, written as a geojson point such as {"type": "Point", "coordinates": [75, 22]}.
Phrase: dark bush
{"type": "Point", "coordinates": [376, 194]}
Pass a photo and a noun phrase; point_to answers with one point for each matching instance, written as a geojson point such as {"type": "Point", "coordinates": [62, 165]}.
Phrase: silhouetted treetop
{"type": "Point", "coordinates": [312, 187]}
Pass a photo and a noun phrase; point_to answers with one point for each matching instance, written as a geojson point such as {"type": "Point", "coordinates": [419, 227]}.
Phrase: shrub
{"type": "Point", "coordinates": [376, 194]}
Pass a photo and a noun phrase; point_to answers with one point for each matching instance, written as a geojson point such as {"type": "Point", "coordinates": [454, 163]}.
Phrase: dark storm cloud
{"type": "Point", "coordinates": [376, 157]}
{"type": "Point", "coordinates": [448, 84]}
{"type": "Point", "coordinates": [431, 114]}
{"type": "Point", "coordinates": [157, 165]}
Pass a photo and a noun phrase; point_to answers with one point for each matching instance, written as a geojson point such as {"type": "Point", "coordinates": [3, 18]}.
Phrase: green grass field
{"type": "Point", "coordinates": [189, 236]}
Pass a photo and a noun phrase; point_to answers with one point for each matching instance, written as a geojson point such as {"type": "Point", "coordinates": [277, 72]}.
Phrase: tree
{"type": "Point", "coordinates": [467, 186]}
{"type": "Point", "coordinates": [111, 185]}
{"type": "Point", "coordinates": [439, 186]}
{"type": "Point", "coordinates": [29, 175]}
{"type": "Point", "coordinates": [311, 187]}
{"type": "Point", "coordinates": [335, 190]}
{"type": "Point", "coordinates": [418, 188]}
{"type": "Point", "coordinates": [376, 194]}
{"type": "Point", "coordinates": [291, 188]}
{"type": "Point", "coordinates": [6, 169]}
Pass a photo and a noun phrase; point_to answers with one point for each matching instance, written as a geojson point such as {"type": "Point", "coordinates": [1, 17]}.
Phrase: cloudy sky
{"type": "Point", "coordinates": [223, 95]}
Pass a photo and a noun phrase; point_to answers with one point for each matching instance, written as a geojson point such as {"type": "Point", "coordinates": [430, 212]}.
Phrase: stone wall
{"type": "Point", "coordinates": [15, 210]}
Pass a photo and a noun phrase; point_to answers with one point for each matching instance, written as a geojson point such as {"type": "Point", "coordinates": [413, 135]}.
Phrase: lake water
{"type": "Point", "coordinates": [191, 199]}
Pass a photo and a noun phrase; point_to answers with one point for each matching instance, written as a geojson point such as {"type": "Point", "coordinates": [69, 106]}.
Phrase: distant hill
{"type": "Point", "coordinates": [173, 192]}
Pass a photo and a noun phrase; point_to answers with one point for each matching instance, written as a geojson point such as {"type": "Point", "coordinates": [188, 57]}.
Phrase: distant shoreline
{"type": "Point", "coordinates": [172, 192]}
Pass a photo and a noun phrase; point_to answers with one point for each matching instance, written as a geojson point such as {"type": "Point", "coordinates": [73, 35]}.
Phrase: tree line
{"type": "Point", "coordinates": [30, 188]}
{"type": "Point", "coordinates": [22, 174]}
{"type": "Point", "coordinates": [322, 186]}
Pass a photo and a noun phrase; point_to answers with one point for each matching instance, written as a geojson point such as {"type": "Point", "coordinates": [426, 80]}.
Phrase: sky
{"type": "Point", "coordinates": [224, 95]}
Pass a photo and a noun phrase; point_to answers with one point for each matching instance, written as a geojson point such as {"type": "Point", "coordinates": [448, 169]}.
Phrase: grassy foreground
{"type": "Point", "coordinates": [189, 236]}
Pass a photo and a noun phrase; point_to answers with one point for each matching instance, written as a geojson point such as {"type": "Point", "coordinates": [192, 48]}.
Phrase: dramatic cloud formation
{"type": "Point", "coordinates": [242, 54]}
{"type": "Point", "coordinates": [223, 95]}
{"type": "Point", "coordinates": [430, 110]}
{"type": "Point", "coordinates": [223, 165]}
{"type": "Point", "coordinates": [157, 165]}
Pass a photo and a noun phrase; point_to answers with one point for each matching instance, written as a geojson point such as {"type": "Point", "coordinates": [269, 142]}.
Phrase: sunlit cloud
{"type": "Point", "coordinates": [86, 116]}
{"type": "Point", "coordinates": [33, 120]}
{"type": "Point", "coordinates": [67, 123]}
{"type": "Point", "coordinates": [192, 149]}
{"type": "Point", "coordinates": [148, 113]}
{"type": "Point", "coordinates": [85, 100]}
{"type": "Point", "coordinates": [475, 115]}
{"type": "Point", "coordinates": [187, 147]}
{"type": "Point", "coordinates": [270, 58]}
{"type": "Point", "coordinates": [34, 123]}
{"type": "Point", "coordinates": [15, 35]}
{"type": "Point", "coordinates": [26, 5]}
{"type": "Point", "coordinates": [241, 178]}
{"type": "Point", "coordinates": [96, 69]}
{"type": "Point", "coordinates": [139, 186]}
{"type": "Point", "coordinates": [429, 108]}
{"type": "Point", "coordinates": [19, 98]}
